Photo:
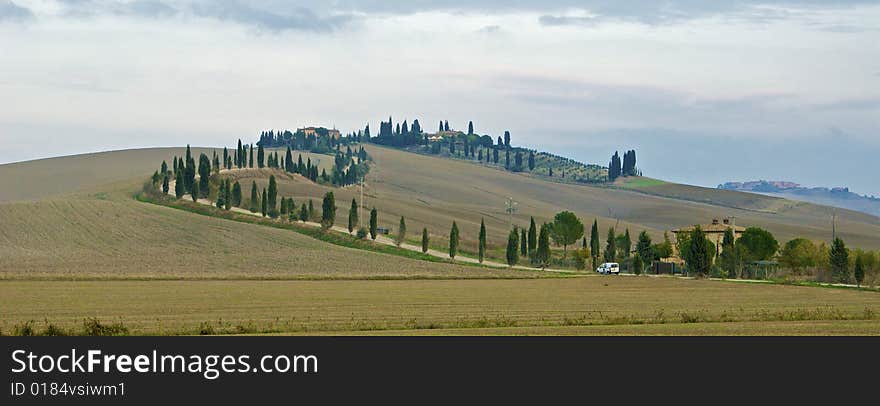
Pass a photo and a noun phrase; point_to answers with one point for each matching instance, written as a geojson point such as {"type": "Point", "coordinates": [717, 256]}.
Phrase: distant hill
{"type": "Point", "coordinates": [836, 197]}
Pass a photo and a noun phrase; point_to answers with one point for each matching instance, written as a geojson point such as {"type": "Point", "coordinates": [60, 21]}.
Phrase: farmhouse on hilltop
{"type": "Point", "coordinates": [319, 131]}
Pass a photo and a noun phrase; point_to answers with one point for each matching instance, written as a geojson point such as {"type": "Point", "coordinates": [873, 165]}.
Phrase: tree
{"type": "Point", "coordinates": [353, 216]}
{"type": "Point", "coordinates": [179, 187]}
{"type": "Point", "coordinates": [531, 160]}
{"type": "Point", "coordinates": [533, 238]}
{"type": "Point", "coordinates": [728, 261]}
{"type": "Point", "coordinates": [797, 255]}
{"type": "Point", "coordinates": [698, 259]}
{"type": "Point", "coordinates": [625, 245]}
{"type": "Point", "coordinates": [859, 271]}
{"type": "Point", "coordinates": [227, 197]}
{"type": "Point", "coordinates": [425, 240]}
{"type": "Point", "coordinates": [542, 256]}
{"type": "Point", "coordinates": [760, 243]}
{"type": "Point", "coordinates": [374, 223]}
{"type": "Point", "coordinates": [839, 260]}
{"type": "Point", "coordinates": [328, 211]}
{"type": "Point", "coordinates": [594, 243]}
{"type": "Point", "coordinates": [304, 213]}
{"type": "Point", "coordinates": [195, 192]}
{"type": "Point", "coordinates": [221, 195]}
{"type": "Point", "coordinates": [638, 265]}
{"type": "Point", "coordinates": [165, 184]}
{"type": "Point", "coordinates": [401, 232]}
{"type": "Point", "coordinates": [611, 246]}
{"type": "Point", "coordinates": [470, 128]}
{"type": "Point", "coordinates": [255, 201]}
{"type": "Point", "coordinates": [507, 139]}
{"type": "Point", "coordinates": [261, 156]}
{"type": "Point", "coordinates": [482, 241]}
{"type": "Point", "coordinates": [566, 229]}
{"type": "Point", "coordinates": [614, 169]}
{"type": "Point", "coordinates": [311, 209]}
{"type": "Point", "coordinates": [236, 194]}
{"type": "Point", "coordinates": [273, 197]}
{"type": "Point", "coordinates": [512, 247]}
{"type": "Point", "coordinates": [453, 240]}
{"type": "Point", "coordinates": [644, 251]}
{"type": "Point", "coordinates": [523, 243]}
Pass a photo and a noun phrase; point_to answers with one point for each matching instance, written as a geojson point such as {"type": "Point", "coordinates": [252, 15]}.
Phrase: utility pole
{"type": "Point", "coordinates": [510, 208]}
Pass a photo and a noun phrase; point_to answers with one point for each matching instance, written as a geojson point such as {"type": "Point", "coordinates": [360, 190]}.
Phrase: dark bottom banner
{"type": "Point", "coordinates": [82, 370]}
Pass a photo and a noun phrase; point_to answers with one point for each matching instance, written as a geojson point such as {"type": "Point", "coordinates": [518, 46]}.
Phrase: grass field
{"type": "Point", "coordinates": [619, 305]}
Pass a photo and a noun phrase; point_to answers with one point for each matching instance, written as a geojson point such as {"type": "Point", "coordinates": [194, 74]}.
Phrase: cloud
{"type": "Point", "coordinates": [10, 11]}
{"type": "Point", "coordinates": [279, 19]}
{"type": "Point", "coordinates": [555, 21]}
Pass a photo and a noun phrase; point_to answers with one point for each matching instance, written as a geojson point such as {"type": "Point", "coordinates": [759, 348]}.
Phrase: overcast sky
{"type": "Point", "coordinates": [778, 89]}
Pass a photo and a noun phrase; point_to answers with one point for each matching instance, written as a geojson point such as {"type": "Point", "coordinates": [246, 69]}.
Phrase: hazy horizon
{"type": "Point", "coordinates": [776, 90]}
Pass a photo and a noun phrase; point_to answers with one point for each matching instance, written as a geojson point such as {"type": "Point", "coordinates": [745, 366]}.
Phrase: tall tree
{"type": "Point", "coordinates": [288, 160]}
{"type": "Point", "coordinates": [594, 243]}
{"type": "Point", "coordinates": [470, 128]}
{"type": "Point", "coordinates": [566, 229]}
{"type": "Point", "coordinates": [512, 247]}
{"type": "Point", "coordinates": [482, 241]}
{"type": "Point", "coordinates": [353, 216]}
{"type": "Point", "coordinates": [638, 265]}
{"type": "Point", "coordinates": [165, 184]}
{"type": "Point", "coordinates": [195, 192]}
{"type": "Point", "coordinates": [401, 232]}
{"type": "Point", "coordinates": [614, 169]}
{"type": "Point", "coordinates": [533, 238]}
{"type": "Point", "coordinates": [698, 260]}
{"type": "Point", "coordinates": [839, 260]}
{"type": "Point", "coordinates": [611, 246]}
{"type": "Point", "coordinates": [204, 173]}
{"type": "Point", "coordinates": [374, 223]}
{"type": "Point", "coordinates": [453, 241]}
{"type": "Point", "coordinates": [311, 209]}
{"type": "Point", "coordinates": [255, 200]}
{"type": "Point", "coordinates": [859, 271]}
{"type": "Point", "coordinates": [626, 245]}
{"type": "Point", "coordinates": [328, 211]}
{"type": "Point", "coordinates": [644, 249]}
{"type": "Point", "coordinates": [304, 213]}
{"type": "Point", "coordinates": [425, 240]}
{"type": "Point", "coordinates": [273, 197]}
{"type": "Point", "coordinates": [507, 139]}
{"type": "Point", "coordinates": [236, 194]}
{"type": "Point", "coordinates": [251, 162]}
{"type": "Point", "coordinates": [261, 156]}
{"type": "Point", "coordinates": [542, 256]}
{"type": "Point", "coordinates": [531, 160]}
{"type": "Point", "coordinates": [523, 243]}
{"type": "Point", "coordinates": [227, 198]}
{"type": "Point", "coordinates": [264, 210]}
{"type": "Point", "coordinates": [179, 187]}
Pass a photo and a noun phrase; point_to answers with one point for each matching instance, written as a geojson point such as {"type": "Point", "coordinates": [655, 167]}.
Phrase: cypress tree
{"type": "Point", "coordinates": [594, 243]}
{"type": "Point", "coordinates": [236, 194]}
{"type": "Point", "coordinates": [251, 149]}
{"type": "Point", "coordinates": [453, 240]}
{"type": "Point", "coordinates": [374, 223]}
{"type": "Point", "coordinates": [188, 153]}
{"type": "Point", "coordinates": [523, 242]}
{"type": "Point", "coordinates": [264, 210]}
{"type": "Point", "coordinates": [175, 166]}
{"type": "Point", "coordinates": [638, 265]}
{"type": "Point", "coordinates": [532, 160]}
{"type": "Point", "coordinates": [401, 232]}
{"type": "Point", "coordinates": [288, 161]}
{"type": "Point", "coordinates": [189, 176]}
{"type": "Point", "coordinates": [353, 216]}
{"type": "Point", "coordinates": [627, 244]}
{"type": "Point", "coordinates": [482, 241]}
{"type": "Point", "coordinates": [227, 198]}
{"type": "Point", "coordinates": [195, 192]}
{"type": "Point", "coordinates": [273, 197]}
{"type": "Point", "coordinates": [164, 168]}
{"type": "Point", "coordinates": [512, 247]}
{"type": "Point", "coordinates": [261, 156]}
{"type": "Point", "coordinates": [303, 213]}
{"type": "Point", "coordinates": [204, 173]}
{"type": "Point", "coordinates": [643, 248]}
{"type": "Point", "coordinates": [698, 259]}
{"type": "Point", "coordinates": [859, 271]}
{"type": "Point", "coordinates": [283, 211]}
{"type": "Point", "coordinates": [470, 128]}
{"type": "Point", "coordinates": [610, 246]}
{"type": "Point", "coordinates": [255, 201]}
{"type": "Point", "coordinates": [239, 155]}
{"type": "Point", "coordinates": [839, 259]}
{"type": "Point", "coordinates": [542, 256]}
{"type": "Point", "coordinates": [165, 186]}
{"type": "Point", "coordinates": [311, 209]}
{"type": "Point", "coordinates": [221, 195]}
{"type": "Point", "coordinates": [533, 238]}
{"type": "Point", "coordinates": [179, 187]}
{"type": "Point", "coordinates": [328, 210]}
{"type": "Point", "coordinates": [425, 240]}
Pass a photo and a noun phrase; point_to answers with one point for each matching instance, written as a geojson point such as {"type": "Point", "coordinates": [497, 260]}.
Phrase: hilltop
{"type": "Point", "coordinates": [837, 196]}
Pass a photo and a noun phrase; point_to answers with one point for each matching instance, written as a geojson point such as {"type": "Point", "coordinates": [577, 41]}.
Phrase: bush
{"type": "Point", "coordinates": [362, 233]}
{"type": "Point", "coordinates": [25, 329]}
{"type": "Point", "coordinates": [92, 327]}
{"type": "Point", "coordinates": [53, 331]}
{"type": "Point", "coordinates": [206, 329]}
{"type": "Point", "coordinates": [581, 258]}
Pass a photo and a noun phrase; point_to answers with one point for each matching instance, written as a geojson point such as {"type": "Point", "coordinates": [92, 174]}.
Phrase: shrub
{"type": "Point", "coordinates": [92, 327]}
{"type": "Point", "coordinates": [25, 329]}
{"type": "Point", "coordinates": [53, 331]}
{"type": "Point", "coordinates": [362, 233]}
{"type": "Point", "coordinates": [206, 329]}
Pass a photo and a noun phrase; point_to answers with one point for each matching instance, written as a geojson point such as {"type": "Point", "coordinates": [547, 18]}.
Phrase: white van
{"type": "Point", "coordinates": [609, 268]}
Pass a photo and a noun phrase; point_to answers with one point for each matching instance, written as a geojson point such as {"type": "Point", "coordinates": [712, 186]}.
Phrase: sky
{"type": "Point", "coordinates": [705, 91]}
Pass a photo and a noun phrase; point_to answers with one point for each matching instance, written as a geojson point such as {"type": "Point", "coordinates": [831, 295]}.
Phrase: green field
{"type": "Point", "coordinates": [532, 306]}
